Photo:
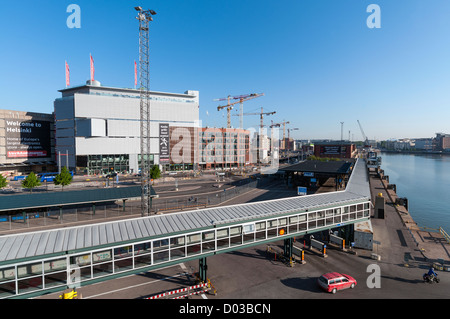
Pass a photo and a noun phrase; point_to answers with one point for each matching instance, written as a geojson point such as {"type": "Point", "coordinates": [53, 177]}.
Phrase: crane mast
{"type": "Point", "coordinates": [144, 18]}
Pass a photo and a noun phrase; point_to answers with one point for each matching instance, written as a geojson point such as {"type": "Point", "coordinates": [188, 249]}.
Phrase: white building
{"type": "Point", "coordinates": [99, 127]}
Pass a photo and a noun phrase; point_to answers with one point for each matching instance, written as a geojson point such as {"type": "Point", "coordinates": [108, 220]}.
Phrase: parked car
{"type": "Point", "coordinates": [334, 281]}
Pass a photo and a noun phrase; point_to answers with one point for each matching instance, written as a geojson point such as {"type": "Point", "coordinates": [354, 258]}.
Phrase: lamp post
{"type": "Point", "coordinates": [144, 17]}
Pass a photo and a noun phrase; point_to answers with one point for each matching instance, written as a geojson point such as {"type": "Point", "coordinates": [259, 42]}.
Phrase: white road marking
{"type": "Point", "coordinates": [131, 287]}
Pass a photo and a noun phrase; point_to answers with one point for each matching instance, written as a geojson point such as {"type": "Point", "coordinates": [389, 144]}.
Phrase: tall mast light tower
{"type": "Point", "coordinates": [144, 18]}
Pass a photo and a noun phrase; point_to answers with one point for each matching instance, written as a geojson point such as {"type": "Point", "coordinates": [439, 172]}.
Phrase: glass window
{"type": "Point", "coordinates": [29, 270]}
{"type": "Point", "coordinates": [102, 269]}
{"type": "Point", "coordinates": [142, 248]}
{"type": "Point", "coordinates": [101, 256]}
{"type": "Point", "coordinates": [177, 241]}
{"type": "Point", "coordinates": [208, 235]}
{"type": "Point", "coordinates": [7, 273]}
{"type": "Point", "coordinates": [235, 231]}
{"type": "Point", "coordinates": [272, 223]}
{"type": "Point", "coordinates": [221, 233]}
{"type": "Point", "coordinates": [55, 265]}
{"type": "Point", "coordinates": [161, 244]}
{"type": "Point", "coordinates": [293, 220]}
{"type": "Point", "coordinates": [80, 260]}
{"type": "Point", "coordinates": [30, 284]}
{"type": "Point", "coordinates": [194, 238]}
{"type": "Point", "coordinates": [123, 252]}
{"type": "Point", "coordinates": [260, 226]}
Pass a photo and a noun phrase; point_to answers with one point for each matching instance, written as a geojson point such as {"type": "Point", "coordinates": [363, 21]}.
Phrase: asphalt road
{"type": "Point", "coordinates": [252, 273]}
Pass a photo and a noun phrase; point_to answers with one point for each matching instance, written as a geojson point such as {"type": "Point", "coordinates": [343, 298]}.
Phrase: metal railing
{"type": "Point", "coordinates": [444, 233]}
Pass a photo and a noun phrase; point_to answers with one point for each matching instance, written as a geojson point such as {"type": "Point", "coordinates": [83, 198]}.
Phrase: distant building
{"type": "Point", "coordinates": [335, 149]}
{"type": "Point", "coordinates": [99, 127]}
{"type": "Point", "coordinates": [442, 142]}
{"type": "Point", "coordinates": [26, 142]}
{"type": "Point", "coordinates": [425, 144]}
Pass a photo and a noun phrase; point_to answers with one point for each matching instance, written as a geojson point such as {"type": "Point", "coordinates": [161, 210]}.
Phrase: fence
{"type": "Point", "coordinates": [56, 216]}
{"type": "Point", "coordinates": [160, 205]}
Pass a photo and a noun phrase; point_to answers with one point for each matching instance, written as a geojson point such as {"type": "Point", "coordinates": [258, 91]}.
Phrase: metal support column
{"type": "Point", "coordinates": [202, 267]}
{"type": "Point", "coordinates": [288, 248]}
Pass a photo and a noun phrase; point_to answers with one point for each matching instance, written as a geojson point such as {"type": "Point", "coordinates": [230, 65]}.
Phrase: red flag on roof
{"type": "Point", "coordinates": [67, 75]}
{"type": "Point", "coordinates": [92, 69]}
{"type": "Point", "coordinates": [135, 74]}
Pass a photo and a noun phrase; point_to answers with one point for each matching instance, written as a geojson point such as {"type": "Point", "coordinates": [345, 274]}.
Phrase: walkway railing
{"type": "Point", "coordinates": [437, 230]}
{"type": "Point", "coordinates": [444, 233]}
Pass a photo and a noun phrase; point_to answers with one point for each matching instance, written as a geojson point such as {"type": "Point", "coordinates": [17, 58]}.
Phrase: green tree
{"type": "Point", "coordinates": [3, 181]}
{"type": "Point", "coordinates": [64, 178]}
{"type": "Point", "coordinates": [155, 172]}
{"type": "Point", "coordinates": [31, 182]}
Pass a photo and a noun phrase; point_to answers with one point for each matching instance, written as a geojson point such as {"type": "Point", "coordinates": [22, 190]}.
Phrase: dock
{"type": "Point", "coordinates": [432, 244]}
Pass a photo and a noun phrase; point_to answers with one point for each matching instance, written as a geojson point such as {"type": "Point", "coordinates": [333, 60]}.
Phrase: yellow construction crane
{"type": "Point", "coordinates": [260, 138]}
{"type": "Point", "coordinates": [241, 99]}
{"type": "Point", "coordinates": [284, 134]}
{"type": "Point", "coordinates": [260, 114]}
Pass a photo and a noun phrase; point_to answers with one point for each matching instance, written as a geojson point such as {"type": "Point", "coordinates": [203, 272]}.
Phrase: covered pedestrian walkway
{"type": "Point", "coordinates": [42, 262]}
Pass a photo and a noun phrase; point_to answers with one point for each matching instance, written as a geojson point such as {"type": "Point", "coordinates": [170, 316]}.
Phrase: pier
{"type": "Point", "coordinates": [433, 245]}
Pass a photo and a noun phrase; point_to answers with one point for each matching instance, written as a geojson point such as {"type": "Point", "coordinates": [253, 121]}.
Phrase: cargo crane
{"type": "Point", "coordinates": [241, 99]}
{"type": "Point", "coordinates": [366, 140]}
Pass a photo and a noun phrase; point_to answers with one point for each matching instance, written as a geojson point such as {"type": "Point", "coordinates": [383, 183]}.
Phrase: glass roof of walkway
{"type": "Point", "coordinates": [40, 261]}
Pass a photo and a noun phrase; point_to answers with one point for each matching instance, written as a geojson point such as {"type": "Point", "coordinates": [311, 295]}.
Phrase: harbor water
{"type": "Point", "coordinates": [424, 179]}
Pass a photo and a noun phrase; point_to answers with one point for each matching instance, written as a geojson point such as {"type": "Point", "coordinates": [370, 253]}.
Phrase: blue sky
{"type": "Point", "coordinates": [316, 61]}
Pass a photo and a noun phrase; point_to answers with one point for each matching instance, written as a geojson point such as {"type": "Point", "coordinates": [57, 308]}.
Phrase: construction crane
{"type": "Point", "coordinates": [259, 141]}
{"type": "Point", "coordinates": [241, 99]}
{"type": "Point", "coordinates": [289, 131]}
{"type": "Point", "coordinates": [366, 140]}
{"type": "Point", "coordinates": [261, 125]}
{"type": "Point", "coordinates": [284, 133]}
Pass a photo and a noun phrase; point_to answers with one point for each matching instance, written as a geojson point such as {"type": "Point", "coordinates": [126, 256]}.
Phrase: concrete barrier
{"type": "Point", "coordinates": [319, 246]}
{"type": "Point", "coordinates": [340, 242]}
{"type": "Point", "coordinates": [297, 251]}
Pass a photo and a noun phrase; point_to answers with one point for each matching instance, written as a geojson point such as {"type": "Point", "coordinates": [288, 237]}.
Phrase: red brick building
{"type": "Point", "coordinates": [335, 149]}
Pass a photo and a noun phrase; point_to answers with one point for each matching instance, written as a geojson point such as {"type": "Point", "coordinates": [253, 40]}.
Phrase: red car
{"type": "Point", "coordinates": [333, 281]}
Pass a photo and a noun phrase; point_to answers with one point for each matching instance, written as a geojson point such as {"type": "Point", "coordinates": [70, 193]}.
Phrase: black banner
{"type": "Point", "coordinates": [27, 138]}
{"type": "Point", "coordinates": [164, 142]}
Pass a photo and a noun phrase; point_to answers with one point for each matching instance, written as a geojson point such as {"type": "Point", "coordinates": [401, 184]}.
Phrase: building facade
{"type": "Point", "coordinates": [26, 142]}
{"type": "Point", "coordinates": [224, 148]}
{"type": "Point", "coordinates": [335, 149]}
{"type": "Point", "coordinates": [442, 142]}
{"type": "Point", "coordinates": [98, 127]}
